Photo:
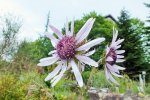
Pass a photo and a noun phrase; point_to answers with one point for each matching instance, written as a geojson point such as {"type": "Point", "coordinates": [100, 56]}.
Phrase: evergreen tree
{"type": "Point", "coordinates": [147, 37]}
{"type": "Point", "coordinates": [131, 29]}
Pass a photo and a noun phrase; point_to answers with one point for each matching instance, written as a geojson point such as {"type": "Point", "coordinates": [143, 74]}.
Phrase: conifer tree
{"type": "Point", "coordinates": [147, 36]}
{"type": "Point", "coordinates": [131, 29]}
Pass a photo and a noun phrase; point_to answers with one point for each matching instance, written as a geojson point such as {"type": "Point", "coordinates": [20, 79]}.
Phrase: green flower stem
{"type": "Point", "coordinates": [90, 78]}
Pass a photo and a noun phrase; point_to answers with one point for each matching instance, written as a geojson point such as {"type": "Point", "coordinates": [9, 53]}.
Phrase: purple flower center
{"type": "Point", "coordinates": [66, 47]}
{"type": "Point", "coordinates": [113, 55]}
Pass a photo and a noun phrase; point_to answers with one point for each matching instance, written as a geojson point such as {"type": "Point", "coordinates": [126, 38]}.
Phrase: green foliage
{"type": "Point", "coordinates": [99, 81]}
{"type": "Point", "coordinates": [31, 85]}
{"type": "Point", "coordinates": [3, 63]}
{"type": "Point", "coordinates": [147, 88]}
{"type": "Point", "coordinates": [36, 87]}
{"type": "Point", "coordinates": [86, 75]}
{"type": "Point", "coordinates": [131, 29]}
{"type": "Point", "coordinates": [11, 88]}
{"type": "Point", "coordinates": [27, 85]}
{"type": "Point", "coordinates": [127, 84]}
{"type": "Point", "coordinates": [35, 50]}
{"type": "Point", "coordinates": [65, 89]}
{"type": "Point", "coordinates": [147, 36]}
{"type": "Point", "coordinates": [42, 47]}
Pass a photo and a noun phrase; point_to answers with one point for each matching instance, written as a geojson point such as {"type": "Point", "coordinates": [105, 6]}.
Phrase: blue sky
{"type": "Point", "coordinates": [33, 12]}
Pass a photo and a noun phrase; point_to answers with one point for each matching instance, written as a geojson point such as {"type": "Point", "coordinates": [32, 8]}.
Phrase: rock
{"type": "Point", "coordinates": [103, 94]}
{"type": "Point", "coordinates": [93, 94]}
{"type": "Point", "coordinates": [129, 95]}
{"type": "Point", "coordinates": [110, 96]}
{"type": "Point", "coordinates": [104, 90]}
{"type": "Point", "coordinates": [128, 98]}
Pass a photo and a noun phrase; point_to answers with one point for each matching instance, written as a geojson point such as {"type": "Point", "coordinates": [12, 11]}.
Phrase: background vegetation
{"type": "Point", "coordinates": [20, 77]}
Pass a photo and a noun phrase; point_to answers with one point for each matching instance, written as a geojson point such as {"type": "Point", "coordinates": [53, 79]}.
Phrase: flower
{"type": "Point", "coordinates": [112, 57]}
{"type": "Point", "coordinates": [71, 52]}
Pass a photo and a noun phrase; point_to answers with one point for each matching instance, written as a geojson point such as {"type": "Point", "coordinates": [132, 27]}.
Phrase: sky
{"type": "Point", "coordinates": [33, 13]}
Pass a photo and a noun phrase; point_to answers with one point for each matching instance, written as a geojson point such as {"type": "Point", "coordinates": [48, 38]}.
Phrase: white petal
{"type": "Point", "coordinates": [109, 58]}
{"type": "Point", "coordinates": [119, 41]}
{"type": "Point", "coordinates": [120, 60]}
{"type": "Point", "coordinates": [120, 51]}
{"type": "Point", "coordinates": [90, 44]}
{"type": "Point", "coordinates": [118, 67]}
{"type": "Point", "coordinates": [109, 77]}
{"type": "Point", "coordinates": [72, 28]}
{"type": "Point", "coordinates": [52, 52]}
{"type": "Point", "coordinates": [90, 53]}
{"type": "Point", "coordinates": [48, 58]}
{"type": "Point", "coordinates": [106, 73]}
{"type": "Point", "coordinates": [115, 74]}
{"type": "Point", "coordinates": [115, 34]}
{"type": "Point", "coordinates": [87, 60]}
{"type": "Point", "coordinates": [84, 33]}
{"type": "Point", "coordinates": [77, 73]}
{"type": "Point", "coordinates": [62, 68]}
{"type": "Point", "coordinates": [48, 61]}
{"type": "Point", "coordinates": [116, 44]}
{"type": "Point", "coordinates": [55, 80]}
{"type": "Point", "coordinates": [112, 68]}
{"type": "Point", "coordinates": [120, 56]}
{"type": "Point", "coordinates": [117, 47]}
{"type": "Point", "coordinates": [67, 27]}
{"type": "Point", "coordinates": [53, 39]}
{"type": "Point", "coordinates": [107, 50]}
{"type": "Point", "coordinates": [112, 79]}
{"type": "Point", "coordinates": [56, 31]}
{"type": "Point", "coordinates": [58, 78]}
{"type": "Point", "coordinates": [82, 30]}
{"type": "Point", "coordinates": [54, 72]}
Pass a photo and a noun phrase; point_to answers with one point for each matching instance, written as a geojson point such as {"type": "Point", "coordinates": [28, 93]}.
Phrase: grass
{"type": "Point", "coordinates": [99, 81]}
{"type": "Point", "coordinates": [30, 85]}
{"type": "Point", "coordinates": [147, 89]}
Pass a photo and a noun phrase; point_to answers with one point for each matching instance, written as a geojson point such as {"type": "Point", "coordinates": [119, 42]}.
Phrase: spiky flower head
{"type": "Point", "coordinates": [70, 52]}
{"type": "Point", "coordinates": [113, 56]}
{"type": "Point", "coordinates": [66, 47]}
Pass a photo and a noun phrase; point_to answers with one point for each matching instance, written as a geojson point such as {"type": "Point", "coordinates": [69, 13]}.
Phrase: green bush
{"type": "Point", "coordinates": [10, 89]}
{"type": "Point", "coordinates": [27, 84]}
{"type": "Point", "coordinates": [65, 89]}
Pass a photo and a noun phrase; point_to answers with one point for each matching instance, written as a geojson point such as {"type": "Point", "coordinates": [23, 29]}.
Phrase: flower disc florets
{"type": "Point", "coordinates": [66, 47]}
{"type": "Point", "coordinates": [113, 55]}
